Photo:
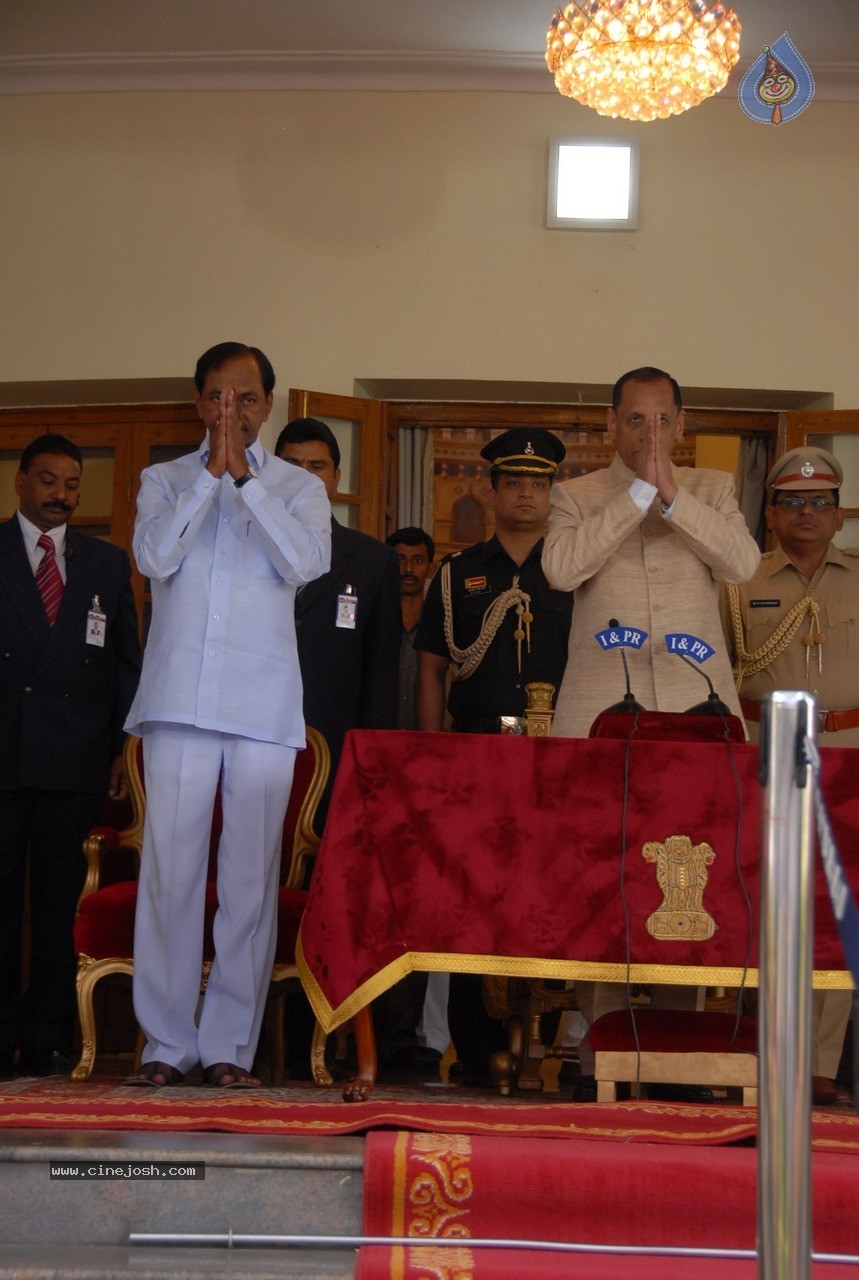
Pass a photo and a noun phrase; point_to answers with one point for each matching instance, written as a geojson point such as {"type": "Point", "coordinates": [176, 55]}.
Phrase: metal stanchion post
{"type": "Point", "coordinates": [786, 939]}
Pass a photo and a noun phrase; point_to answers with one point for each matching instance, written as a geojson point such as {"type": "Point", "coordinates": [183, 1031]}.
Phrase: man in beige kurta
{"type": "Point", "coordinates": [646, 543]}
{"type": "Point", "coordinates": [796, 626]}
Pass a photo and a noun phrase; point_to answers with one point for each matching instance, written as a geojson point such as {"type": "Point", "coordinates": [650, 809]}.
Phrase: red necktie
{"type": "Point", "coordinates": [48, 578]}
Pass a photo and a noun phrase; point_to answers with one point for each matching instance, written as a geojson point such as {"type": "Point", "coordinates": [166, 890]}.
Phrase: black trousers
{"type": "Point", "coordinates": [46, 830]}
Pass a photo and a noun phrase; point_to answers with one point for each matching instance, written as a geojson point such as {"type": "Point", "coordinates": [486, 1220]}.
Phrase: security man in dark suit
{"type": "Point", "coordinates": [349, 626]}
{"type": "Point", "coordinates": [348, 622]}
{"type": "Point", "coordinates": [69, 664]}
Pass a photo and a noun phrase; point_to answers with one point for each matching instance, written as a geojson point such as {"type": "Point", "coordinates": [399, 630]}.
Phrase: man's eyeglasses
{"type": "Point", "coordinates": [795, 502]}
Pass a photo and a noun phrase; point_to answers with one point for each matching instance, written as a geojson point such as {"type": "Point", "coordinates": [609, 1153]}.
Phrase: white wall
{"type": "Point", "coordinates": [400, 236]}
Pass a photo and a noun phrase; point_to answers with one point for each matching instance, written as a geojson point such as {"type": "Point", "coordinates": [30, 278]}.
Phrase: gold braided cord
{"type": "Point", "coordinates": [466, 661]}
{"type": "Point", "coordinates": [749, 664]}
{"type": "Point", "coordinates": [524, 462]}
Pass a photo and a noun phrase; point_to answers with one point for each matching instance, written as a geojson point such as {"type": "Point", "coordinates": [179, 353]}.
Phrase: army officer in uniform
{"type": "Point", "coordinates": [493, 619]}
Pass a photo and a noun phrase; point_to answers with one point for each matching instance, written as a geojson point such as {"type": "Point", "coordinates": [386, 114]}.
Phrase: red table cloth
{"type": "Point", "coordinates": [524, 856]}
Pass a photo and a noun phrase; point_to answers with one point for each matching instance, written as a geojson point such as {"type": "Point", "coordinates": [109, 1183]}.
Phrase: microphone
{"type": "Point", "coordinates": [681, 644]}
{"type": "Point", "coordinates": [628, 702]}
{"type": "Point", "coordinates": [713, 705]}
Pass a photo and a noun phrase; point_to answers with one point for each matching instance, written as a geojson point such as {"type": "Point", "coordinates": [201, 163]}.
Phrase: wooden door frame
{"type": "Point", "coordinates": [802, 423]}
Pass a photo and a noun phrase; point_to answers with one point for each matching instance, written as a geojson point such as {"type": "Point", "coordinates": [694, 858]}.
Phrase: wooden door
{"type": "Point", "coordinates": [368, 460]}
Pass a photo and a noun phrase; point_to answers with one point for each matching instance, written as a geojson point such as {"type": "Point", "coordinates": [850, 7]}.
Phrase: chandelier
{"type": "Point", "coordinates": [642, 59]}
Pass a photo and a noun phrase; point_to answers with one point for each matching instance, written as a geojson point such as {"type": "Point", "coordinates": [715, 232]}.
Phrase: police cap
{"type": "Point", "coordinates": [806, 468]}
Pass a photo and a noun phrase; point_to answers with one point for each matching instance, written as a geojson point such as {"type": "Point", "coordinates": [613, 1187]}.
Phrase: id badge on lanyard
{"type": "Point", "coordinates": [347, 609]}
{"type": "Point", "coordinates": [96, 624]}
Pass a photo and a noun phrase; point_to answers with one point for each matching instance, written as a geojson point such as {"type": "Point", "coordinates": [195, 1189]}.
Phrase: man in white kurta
{"type": "Point", "coordinates": [646, 543]}
{"type": "Point", "coordinates": [226, 536]}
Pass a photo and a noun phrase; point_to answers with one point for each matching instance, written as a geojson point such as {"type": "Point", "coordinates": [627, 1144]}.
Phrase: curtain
{"type": "Point", "coordinates": [415, 471]}
{"type": "Point", "coordinates": [752, 468]}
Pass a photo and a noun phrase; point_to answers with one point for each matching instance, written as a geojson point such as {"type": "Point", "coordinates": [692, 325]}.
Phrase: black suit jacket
{"type": "Point", "coordinates": [351, 677]}
{"type": "Point", "coordinates": [63, 702]}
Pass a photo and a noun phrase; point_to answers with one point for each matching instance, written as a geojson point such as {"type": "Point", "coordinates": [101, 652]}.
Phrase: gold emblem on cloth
{"type": "Point", "coordinates": [681, 873]}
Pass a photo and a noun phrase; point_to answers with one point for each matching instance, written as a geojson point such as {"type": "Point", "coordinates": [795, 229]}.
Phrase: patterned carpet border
{"type": "Point", "coordinates": [299, 1112]}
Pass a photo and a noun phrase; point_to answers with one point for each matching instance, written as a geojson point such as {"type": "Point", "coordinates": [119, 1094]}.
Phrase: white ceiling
{"type": "Point", "coordinates": [92, 45]}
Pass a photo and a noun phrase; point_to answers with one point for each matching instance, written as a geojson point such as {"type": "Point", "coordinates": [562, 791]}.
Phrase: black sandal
{"type": "Point", "coordinates": [155, 1075]}
{"type": "Point", "coordinates": [226, 1075]}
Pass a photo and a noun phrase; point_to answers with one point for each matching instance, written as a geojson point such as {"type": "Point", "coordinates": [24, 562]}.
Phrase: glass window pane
{"type": "Point", "coordinates": [96, 530]}
{"type": "Point", "coordinates": [849, 535]}
{"type": "Point", "coordinates": [348, 436]}
{"type": "Point", "coordinates": [9, 459]}
{"type": "Point", "coordinates": [96, 483]}
{"type": "Point", "coordinates": [846, 449]}
{"type": "Point", "coordinates": [719, 453]}
{"type": "Point", "coordinates": [345, 513]}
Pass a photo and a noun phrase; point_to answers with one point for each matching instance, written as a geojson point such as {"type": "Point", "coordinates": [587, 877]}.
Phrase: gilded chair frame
{"type": "Point", "coordinates": [99, 845]}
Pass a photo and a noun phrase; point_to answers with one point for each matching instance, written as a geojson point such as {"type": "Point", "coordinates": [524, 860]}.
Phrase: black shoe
{"type": "Point", "coordinates": [680, 1093]}
{"type": "Point", "coordinates": [585, 1089]}
{"type": "Point", "coordinates": [7, 1064]}
{"type": "Point", "coordinates": [427, 1058]}
{"type": "Point", "coordinates": [474, 1075]}
{"type": "Point", "coordinates": [44, 1062]}
{"type": "Point", "coordinates": [416, 1060]}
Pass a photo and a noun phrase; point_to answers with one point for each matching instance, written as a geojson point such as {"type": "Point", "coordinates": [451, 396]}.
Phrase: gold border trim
{"type": "Point", "coordinates": [530, 967]}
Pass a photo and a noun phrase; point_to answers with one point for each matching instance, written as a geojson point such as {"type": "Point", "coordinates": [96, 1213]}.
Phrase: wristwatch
{"type": "Point", "coordinates": [250, 474]}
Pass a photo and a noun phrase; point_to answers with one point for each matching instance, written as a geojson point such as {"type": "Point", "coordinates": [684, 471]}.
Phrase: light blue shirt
{"type": "Point", "coordinates": [224, 565]}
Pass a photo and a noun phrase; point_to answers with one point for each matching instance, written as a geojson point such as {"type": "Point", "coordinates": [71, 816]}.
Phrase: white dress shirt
{"type": "Point", "coordinates": [224, 565]}
{"type": "Point", "coordinates": [32, 534]}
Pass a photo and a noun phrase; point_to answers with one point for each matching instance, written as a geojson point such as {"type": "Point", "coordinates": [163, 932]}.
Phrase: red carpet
{"type": "Point", "coordinates": [492, 1264]}
{"type": "Point", "coordinates": [470, 1167]}
{"type": "Point", "coordinates": [306, 1111]}
{"type": "Point", "coordinates": [427, 1185]}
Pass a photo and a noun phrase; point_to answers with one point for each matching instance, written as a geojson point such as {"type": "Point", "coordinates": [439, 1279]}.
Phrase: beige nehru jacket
{"type": "Point", "coordinates": [764, 601]}
{"type": "Point", "coordinates": [648, 572]}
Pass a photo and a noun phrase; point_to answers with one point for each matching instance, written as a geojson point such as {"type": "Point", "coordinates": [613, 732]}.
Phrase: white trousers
{"type": "Point", "coordinates": [830, 1014]}
{"type": "Point", "coordinates": [183, 766]}
{"type": "Point", "coordinates": [433, 1030]}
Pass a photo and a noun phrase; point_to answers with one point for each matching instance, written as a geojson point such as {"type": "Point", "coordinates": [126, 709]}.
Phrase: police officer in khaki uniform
{"type": "Point", "coordinates": [795, 625]}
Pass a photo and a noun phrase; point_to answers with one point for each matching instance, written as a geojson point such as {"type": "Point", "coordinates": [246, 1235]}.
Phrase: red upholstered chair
{"type": "Point", "coordinates": [668, 1046]}
{"type": "Point", "coordinates": [104, 928]}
